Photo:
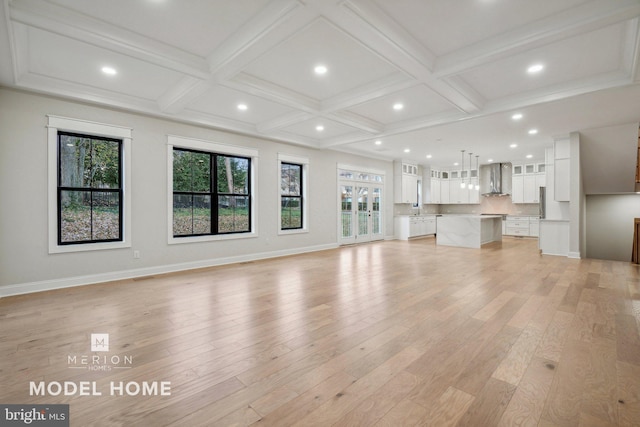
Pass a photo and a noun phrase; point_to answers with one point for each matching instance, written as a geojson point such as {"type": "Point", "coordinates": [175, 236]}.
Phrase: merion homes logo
{"type": "Point", "coordinates": [99, 342]}
{"type": "Point", "coordinates": [99, 362]}
{"type": "Point", "coordinates": [98, 359]}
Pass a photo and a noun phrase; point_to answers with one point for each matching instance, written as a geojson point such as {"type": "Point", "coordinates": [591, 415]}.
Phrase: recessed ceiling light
{"type": "Point", "coordinates": [319, 128]}
{"type": "Point", "coordinates": [490, 160]}
{"type": "Point", "coordinates": [320, 70]}
{"type": "Point", "coordinates": [513, 145]}
{"type": "Point", "coordinates": [517, 116]}
{"type": "Point", "coordinates": [407, 150]}
{"type": "Point", "coordinates": [536, 68]}
{"type": "Point", "coordinates": [529, 156]}
{"type": "Point", "coordinates": [110, 71]}
{"type": "Point", "coordinates": [398, 106]}
{"type": "Point", "coordinates": [533, 131]}
{"type": "Point", "coordinates": [378, 142]}
{"type": "Point", "coordinates": [429, 156]}
{"type": "Point", "coordinates": [242, 107]}
{"type": "Point", "coordinates": [456, 164]}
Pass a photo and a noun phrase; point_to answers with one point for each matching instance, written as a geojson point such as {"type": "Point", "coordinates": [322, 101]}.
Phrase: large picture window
{"type": "Point", "coordinates": [89, 177]}
{"type": "Point", "coordinates": [211, 193]}
{"type": "Point", "coordinates": [89, 189]}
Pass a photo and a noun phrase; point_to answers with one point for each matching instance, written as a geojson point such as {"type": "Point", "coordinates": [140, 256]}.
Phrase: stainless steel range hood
{"type": "Point", "coordinates": [495, 179]}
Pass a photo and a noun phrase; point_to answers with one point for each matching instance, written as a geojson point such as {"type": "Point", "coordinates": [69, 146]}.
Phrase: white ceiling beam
{"type": "Point", "coordinates": [272, 18]}
{"type": "Point", "coordinates": [354, 120]}
{"type": "Point", "coordinates": [176, 98]}
{"type": "Point", "coordinates": [259, 87]}
{"type": "Point", "coordinates": [59, 20]}
{"type": "Point", "coordinates": [578, 20]}
{"type": "Point", "coordinates": [374, 29]}
{"type": "Point", "coordinates": [381, 87]}
{"type": "Point", "coordinates": [283, 121]}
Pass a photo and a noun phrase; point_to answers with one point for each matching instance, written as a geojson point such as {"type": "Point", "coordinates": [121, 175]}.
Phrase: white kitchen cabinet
{"type": "Point", "coordinates": [405, 183]}
{"type": "Point", "coordinates": [444, 191]}
{"type": "Point", "coordinates": [454, 190]}
{"type": "Point", "coordinates": [435, 190]}
{"type": "Point", "coordinates": [408, 227]}
{"type": "Point", "coordinates": [530, 191]}
{"type": "Point", "coordinates": [522, 226]}
{"type": "Point", "coordinates": [517, 188]}
{"type": "Point", "coordinates": [525, 186]}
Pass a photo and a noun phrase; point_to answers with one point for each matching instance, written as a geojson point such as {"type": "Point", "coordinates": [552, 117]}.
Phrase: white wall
{"type": "Point", "coordinates": [610, 220]}
{"type": "Point", "coordinates": [26, 265]}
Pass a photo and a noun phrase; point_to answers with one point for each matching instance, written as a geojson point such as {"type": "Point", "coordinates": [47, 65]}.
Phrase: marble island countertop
{"type": "Point", "coordinates": [469, 231]}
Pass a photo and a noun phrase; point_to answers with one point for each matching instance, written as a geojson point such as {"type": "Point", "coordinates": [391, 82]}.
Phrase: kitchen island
{"type": "Point", "coordinates": [469, 231]}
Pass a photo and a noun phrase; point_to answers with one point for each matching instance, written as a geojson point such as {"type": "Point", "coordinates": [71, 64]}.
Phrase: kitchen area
{"type": "Point", "coordinates": [469, 207]}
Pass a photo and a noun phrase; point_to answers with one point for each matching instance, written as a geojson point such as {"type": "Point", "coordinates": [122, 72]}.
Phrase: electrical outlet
{"type": "Point", "coordinates": [136, 254]}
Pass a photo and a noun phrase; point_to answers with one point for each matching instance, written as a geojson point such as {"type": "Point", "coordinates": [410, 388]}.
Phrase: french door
{"type": "Point", "coordinates": [360, 212]}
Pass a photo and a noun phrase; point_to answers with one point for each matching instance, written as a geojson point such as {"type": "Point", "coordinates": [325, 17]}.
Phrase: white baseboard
{"type": "Point", "coordinates": [575, 255]}
{"type": "Point", "coordinates": [68, 282]}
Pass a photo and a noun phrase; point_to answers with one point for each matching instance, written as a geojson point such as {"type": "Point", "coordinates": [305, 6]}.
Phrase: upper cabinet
{"type": "Point", "coordinates": [526, 182]}
{"type": "Point", "coordinates": [406, 183]}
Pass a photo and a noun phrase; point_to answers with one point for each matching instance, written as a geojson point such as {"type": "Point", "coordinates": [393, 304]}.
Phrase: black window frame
{"type": "Point", "coordinates": [300, 197]}
{"type": "Point", "coordinates": [214, 194]}
{"type": "Point", "coordinates": [91, 190]}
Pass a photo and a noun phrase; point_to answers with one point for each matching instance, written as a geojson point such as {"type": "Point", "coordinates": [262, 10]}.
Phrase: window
{"type": "Point", "coordinates": [293, 198]}
{"type": "Point", "coordinates": [291, 213]}
{"type": "Point", "coordinates": [200, 178]}
{"type": "Point", "coordinates": [89, 177]}
{"type": "Point", "coordinates": [210, 190]}
{"type": "Point", "coordinates": [89, 189]}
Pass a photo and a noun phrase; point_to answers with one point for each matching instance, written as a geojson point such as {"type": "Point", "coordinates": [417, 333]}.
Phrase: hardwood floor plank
{"type": "Point", "coordinates": [515, 363]}
{"type": "Point", "coordinates": [489, 405]}
{"type": "Point", "coordinates": [553, 340]}
{"type": "Point", "coordinates": [526, 406]}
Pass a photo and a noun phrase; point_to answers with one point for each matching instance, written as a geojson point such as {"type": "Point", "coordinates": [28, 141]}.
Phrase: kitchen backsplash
{"type": "Point", "coordinates": [488, 205]}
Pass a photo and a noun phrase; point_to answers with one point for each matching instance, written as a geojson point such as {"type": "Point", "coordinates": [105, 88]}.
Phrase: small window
{"type": "Point", "coordinates": [291, 213]}
{"type": "Point", "coordinates": [293, 179]}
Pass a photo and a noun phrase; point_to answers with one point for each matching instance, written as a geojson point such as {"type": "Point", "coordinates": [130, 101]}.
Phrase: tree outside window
{"type": "Point", "coordinates": [90, 194]}
{"type": "Point", "coordinates": [291, 212]}
{"type": "Point", "coordinates": [211, 193]}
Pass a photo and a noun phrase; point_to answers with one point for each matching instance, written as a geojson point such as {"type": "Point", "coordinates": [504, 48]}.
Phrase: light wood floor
{"type": "Point", "coordinates": [385, 334]}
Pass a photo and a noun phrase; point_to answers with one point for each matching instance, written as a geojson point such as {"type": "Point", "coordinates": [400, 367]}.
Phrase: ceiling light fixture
{"type": "Point", "coordinates": [378, 142]}
{"type": "Point", "coordinates": [406, 150]}
{"type": "Point", "coordinates": [516, 116]}
{"type": "Point", "coordinates": [477, 173]}
{"type": "Point", "coordinates": [429, 156]}
{"type": "Point", "coordinates": [242, 107]}
{"type": "Point", "coordinates": [533, 131]}
{"type": "Point", "coordinates": [462, 184]}
{"type": "Point", "coordinates": [469, 185]}
{"type": "Point", "coordinates": [529, 156]}
{"type": "Point", "coordinates": [319, 128]}
{"type": "Point", "coordinates": [320, 70]}
{"type": "Point", "coordinates": [490, 160]}
{"type": "Point", "coordinates": [398, 106]}
{"type": "Point", "coordinates": [110, 71]}
{"type": "Point", "coordinates": [513, 145]}
{"type": "Point", "coordinates": [536, 68]}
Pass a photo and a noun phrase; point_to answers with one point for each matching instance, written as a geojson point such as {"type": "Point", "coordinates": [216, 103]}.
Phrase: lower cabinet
{"type": "Point", "coordinates": [522, 226]}
{"type": "Point", "coordinates": [414, 226]}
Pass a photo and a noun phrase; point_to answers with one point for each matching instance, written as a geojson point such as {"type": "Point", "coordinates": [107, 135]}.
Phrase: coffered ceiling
{"type": "Point", "coordinates": [429, 76]}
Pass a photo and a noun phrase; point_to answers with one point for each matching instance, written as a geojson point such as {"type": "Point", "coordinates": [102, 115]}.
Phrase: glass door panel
{"type": "Point", "coordinates": [346, 211]}
{"type": "Point", "coordinates": [363, 212]}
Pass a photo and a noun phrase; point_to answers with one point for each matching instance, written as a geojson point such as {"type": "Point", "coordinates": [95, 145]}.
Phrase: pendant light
{"type": "Point", "coordinates": [462, 184]}
{"type": "Point", "coordinates": [470, 185]}
{"type": "Point", "coordinates": [477, 174]}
